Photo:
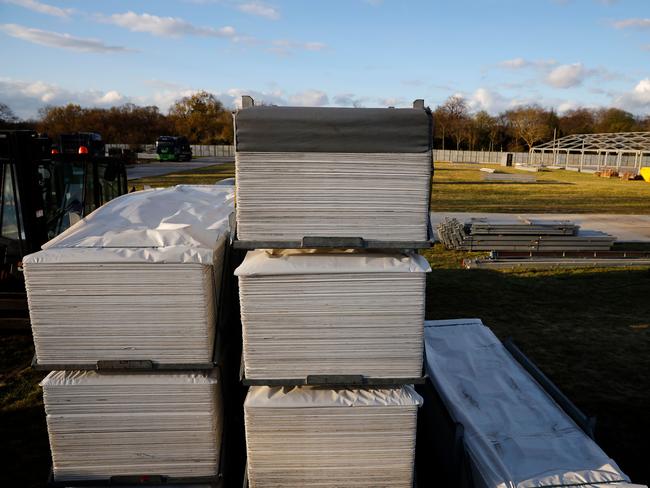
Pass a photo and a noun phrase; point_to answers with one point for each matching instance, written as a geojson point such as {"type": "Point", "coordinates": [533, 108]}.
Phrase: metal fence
{"type": "Point", "coordinates": [586, 162]}
{"type": "Point", "coordinates": [198, 150]}
{"type": "Point", "coordinates": [478, 157]}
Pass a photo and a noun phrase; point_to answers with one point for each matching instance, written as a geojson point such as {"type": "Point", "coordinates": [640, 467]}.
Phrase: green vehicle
{"type": "Point", "coordinates": [172, 148]}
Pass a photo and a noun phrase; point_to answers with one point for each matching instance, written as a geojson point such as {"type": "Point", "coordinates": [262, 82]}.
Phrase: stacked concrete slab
{"type": "Point", "coordinates": [318, 180]}
{"type": "Point", "coordinates": [132, 292]}
{"type": "Point", "coordinates": [333, 172]}
{"type": "Point", "coordinates": [131, 424]}
{"type": "Point", "coordinates": [328, 313]}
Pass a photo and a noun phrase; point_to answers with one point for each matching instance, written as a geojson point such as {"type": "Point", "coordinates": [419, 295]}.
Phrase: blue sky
{"type": "Point", "coordinates": [496, 53]}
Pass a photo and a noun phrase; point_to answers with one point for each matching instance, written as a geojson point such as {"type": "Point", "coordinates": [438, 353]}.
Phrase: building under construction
{"type": "Point", "coordinates": [625, 151]}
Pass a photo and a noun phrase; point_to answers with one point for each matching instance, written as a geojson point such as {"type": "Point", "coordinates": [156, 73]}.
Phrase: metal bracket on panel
{"type": "Point", "coordinates": [143, 480]}
{"type": "Point", "coordinates": [112, 364]}
{"type": "Point", "coordinates": [137, 480]}
{"type": "Point", "coordinates": [333, 242]}
{"type": "Point", "coordinates": [336, 379]}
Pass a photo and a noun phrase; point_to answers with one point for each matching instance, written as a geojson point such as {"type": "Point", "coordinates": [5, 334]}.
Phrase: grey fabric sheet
{"type": "Point", "coordinates": [347, 130]}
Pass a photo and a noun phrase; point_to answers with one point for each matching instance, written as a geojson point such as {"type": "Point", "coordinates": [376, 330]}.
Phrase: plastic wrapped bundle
{"type": "Point", "coordinates": [349, 313]}
{"type": "Point", "coordinates": [333, 172]}
{"type": "Point", "coordinates": [102, 425]}
{"type": "Point", "coordinates": [516, 436]}
{"type": "Point", "coordinates": [138, 279]}
{"type": "Point", "coordinates": [304, 436]}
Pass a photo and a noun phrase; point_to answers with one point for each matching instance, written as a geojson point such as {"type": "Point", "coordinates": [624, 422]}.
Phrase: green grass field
{"type": "Point", "coordinates": [588, 329]}
{"type": "Point", "coordinates": [460, 188]}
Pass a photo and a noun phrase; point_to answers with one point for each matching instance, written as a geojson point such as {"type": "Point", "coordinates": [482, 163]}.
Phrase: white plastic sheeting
{"type": "Point", "coordinates": [102, 425]}
{"type": "Point", "coordinates": [304, 436]}
{"type": "Point", "coordinates": [137, 279]}
{"type": "Point", "coordinates": [287, 196]}
{"type": "Point", "coordinates": [347, 313]}
{"type": "Point", "coordinates": [515, 434]}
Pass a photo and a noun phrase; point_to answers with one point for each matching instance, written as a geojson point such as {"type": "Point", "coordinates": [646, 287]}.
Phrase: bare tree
{"type": "Point", "coordinates": [456, 116]}
{"type": "Point", "coordinates": [530, 123]}
{"type": "Point", "coordinates": [7, 115]}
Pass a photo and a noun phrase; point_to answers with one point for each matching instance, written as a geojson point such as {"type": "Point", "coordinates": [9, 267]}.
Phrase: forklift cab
{"type": "Point", "coordinates": [42, 194]}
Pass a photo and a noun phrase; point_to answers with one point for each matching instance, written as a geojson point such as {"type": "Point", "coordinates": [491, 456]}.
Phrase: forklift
{"type": "Point", "coordinates": [44, 190]}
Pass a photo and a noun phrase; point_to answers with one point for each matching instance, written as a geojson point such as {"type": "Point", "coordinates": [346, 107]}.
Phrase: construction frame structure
{"type": "Point", "coordinates": [625, 151]}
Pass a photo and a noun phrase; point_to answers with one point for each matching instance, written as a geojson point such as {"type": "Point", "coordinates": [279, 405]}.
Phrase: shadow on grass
{"type": "Point", "coordinates": [586, 329]}
{"type": "Point", "coordinates": [24, 449]}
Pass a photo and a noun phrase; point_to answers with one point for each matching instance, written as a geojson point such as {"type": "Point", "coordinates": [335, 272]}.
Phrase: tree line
{"type": "Point", "coordinates": [203, 119]}
{"type": "Point", "coordinates": [200, 117]}
{"type": "Point", "coordinates": [520, 128]}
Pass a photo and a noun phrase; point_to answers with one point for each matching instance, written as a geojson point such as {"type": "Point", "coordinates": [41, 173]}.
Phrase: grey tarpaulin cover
{"type": "Point", "coordinates": [136, 279]}
{"type": "Point", "coordinates": [515, 434]}
{"type": "Point", "coordinates": [306, 313]}
{"type": "Point", "coordinates": [304, 436]}
{"type": "Point", "coordinates": [102, 425]}
{"type": "Point", "coordinates": [333, 172]}
{"type": "Point", "coordinates": [326, 129]}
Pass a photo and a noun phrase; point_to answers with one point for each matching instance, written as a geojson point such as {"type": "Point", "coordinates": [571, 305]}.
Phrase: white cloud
{"type": "Point", "coordinates": [568, 105]}
{"type": "Point", "coordinates": [27, 97]}
{"type": "Point", "coordinates": [567, 75]}
{"type": "Point", "coordinates": [488, 100]}
{"type": "Point", "coordinates": [40, 7]}
{"type": "Point", "coordinates": [56, 39]}
{"type": "Point", "coordinates": [515, 63]}
{"type": "Point", "coordinates": [164, 26]}
{"type": "Point", "coordinates": [260, 9]}
{"type": "Point", "coordinates": [310, 98]}
{"type": "Point", "coordinates": [349, 100]}
{"type": "Point", "coordinates": [636, 23]}
{"type": "Point", "coordinates": [285, 47]}
{"type": "Point", "coordinates": [111, 97]}
{"type": "Point", "coordinates": [521, 63]}
{"type": "Point", "coordinates": [392, 102]}
{"type": "Point", "coordinates": [637, 100]}
{"type": "Point", "coordinates": [175, 27]}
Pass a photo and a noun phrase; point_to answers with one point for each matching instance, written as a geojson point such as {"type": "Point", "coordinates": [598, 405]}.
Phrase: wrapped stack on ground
{"type": "Point", "coordinates": [131, 424]}
{"type": "Point", "coordinates": [303, 437]}
{"type": "Point", "coordinates": [137, 279]}
{"type": "Point", "coordinates": [515, 433]}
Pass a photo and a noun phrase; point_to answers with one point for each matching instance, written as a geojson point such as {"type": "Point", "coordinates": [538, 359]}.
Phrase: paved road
{"type": "Point", "coordinates": [627, 228]}
{"type": "Point", "coordinates": [144, 170]}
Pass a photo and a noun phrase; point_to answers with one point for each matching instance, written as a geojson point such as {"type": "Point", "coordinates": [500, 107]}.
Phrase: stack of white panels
{"type": "Point", "coordinates": [138, 279]}
{"type": "Point", "coordinates": [333, 172]}
{"type": "Point", "coordinates": [308, 313]}
{"type": "Point", "coordinates": [515, 434]}
{"type": "Point", "coordinates": [103, 425]}
{"type": "Point", "coordinates": [303, 436]}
